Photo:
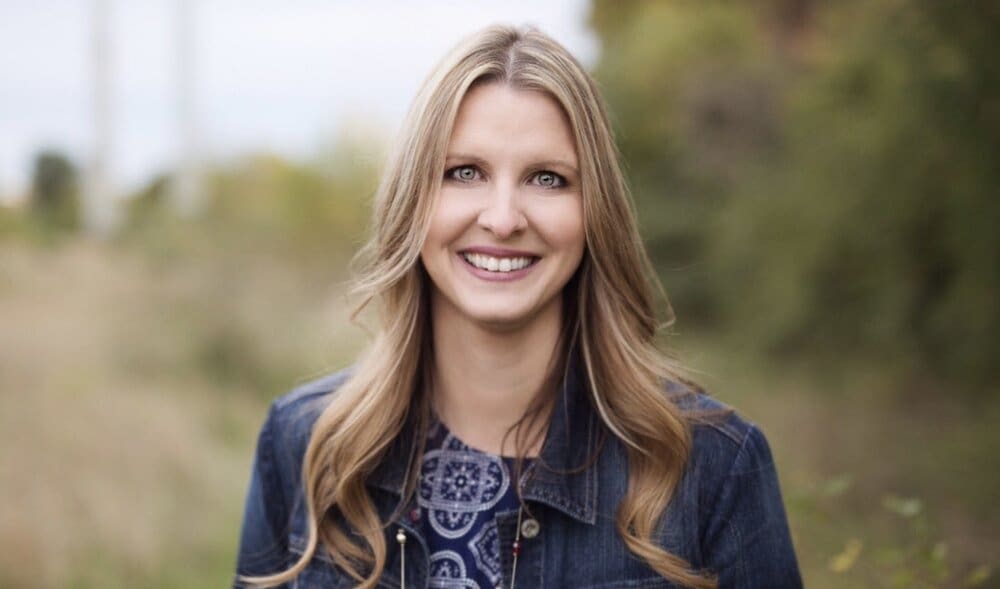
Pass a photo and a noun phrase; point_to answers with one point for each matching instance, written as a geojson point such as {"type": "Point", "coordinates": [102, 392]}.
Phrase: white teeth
{"type": "Point", "coordinates": [496, 264]}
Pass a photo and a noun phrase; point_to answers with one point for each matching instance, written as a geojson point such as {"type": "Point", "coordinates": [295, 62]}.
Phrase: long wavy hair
{"type": "Point", "coordinates": [610, 316]}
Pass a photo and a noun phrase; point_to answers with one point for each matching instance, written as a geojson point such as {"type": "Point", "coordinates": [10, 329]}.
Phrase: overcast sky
{"type": "Point", "coordinates": [270, 75]}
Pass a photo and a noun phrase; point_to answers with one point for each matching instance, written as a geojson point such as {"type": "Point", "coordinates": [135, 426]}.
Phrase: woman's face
{"type": "Point", "coordinates": [507, 229]}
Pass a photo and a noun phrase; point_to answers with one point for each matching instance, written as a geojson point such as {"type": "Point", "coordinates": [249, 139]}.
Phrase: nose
{"type": "Point", "coordinates": [502, 214]}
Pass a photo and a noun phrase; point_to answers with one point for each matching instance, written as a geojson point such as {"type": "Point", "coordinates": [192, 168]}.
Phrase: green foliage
{"type": "Point", "coordinates": [54, 193]}
{"type": "Point", "coordinates": [12, 223]}
{"type": "Point", "coordinates": [148, 206]}
{"type": "Point", "coordinates": [266, 206]}
{"type": "Point", "coordinates": [819, 179]}
{"type": "Point", "coordinates": [899, 547]}
{"type": "Point", "coordinates": [690, 103]}
{"type": "Point", "coordinates": [271, 230]}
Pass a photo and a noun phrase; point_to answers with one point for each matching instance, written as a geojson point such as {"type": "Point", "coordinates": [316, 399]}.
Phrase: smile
{"type": "Point", "coordinates": [498, 264]}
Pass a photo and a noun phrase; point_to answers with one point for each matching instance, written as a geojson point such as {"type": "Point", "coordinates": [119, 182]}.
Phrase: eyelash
{"type": "Point", "coordinates": [561, 182]}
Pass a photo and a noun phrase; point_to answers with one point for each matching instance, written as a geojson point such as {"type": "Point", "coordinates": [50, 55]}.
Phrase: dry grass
{"type": "Point", "coordinates": [122, 464]}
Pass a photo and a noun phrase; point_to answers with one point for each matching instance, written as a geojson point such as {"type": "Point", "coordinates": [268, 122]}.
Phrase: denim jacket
{"type": "Point", "coordinates": [726, 515]}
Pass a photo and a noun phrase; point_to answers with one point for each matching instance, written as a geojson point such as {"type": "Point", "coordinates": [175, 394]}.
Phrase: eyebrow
{"type": "Point", "coordinates": [540, 164]}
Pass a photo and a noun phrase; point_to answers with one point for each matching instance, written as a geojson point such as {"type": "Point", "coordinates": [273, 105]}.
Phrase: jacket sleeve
{"type": "Point", "coordinates": [747, 540]}
{"type": "Point", "coordinates": [263, 546]}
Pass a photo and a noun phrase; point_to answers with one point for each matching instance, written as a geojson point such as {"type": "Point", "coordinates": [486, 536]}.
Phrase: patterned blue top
{"type": "Point", "coordinates": [461, 490]}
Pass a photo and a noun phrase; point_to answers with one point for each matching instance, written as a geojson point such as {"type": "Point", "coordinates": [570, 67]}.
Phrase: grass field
{"type": "Point", "coordinates": [132, 383]}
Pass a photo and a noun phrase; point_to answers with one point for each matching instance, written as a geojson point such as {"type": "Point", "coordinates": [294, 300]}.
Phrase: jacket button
{"type": "Point", "coordinates": [530, 527]}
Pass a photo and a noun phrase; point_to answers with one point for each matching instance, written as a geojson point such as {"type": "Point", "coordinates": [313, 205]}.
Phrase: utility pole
{"type": "Point", "coordinates": [99, 204]}
{"type": "Point", "coordinates": [186, 194]}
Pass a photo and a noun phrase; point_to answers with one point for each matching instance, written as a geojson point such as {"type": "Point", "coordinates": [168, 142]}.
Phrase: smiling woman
{"type": "Point", "coordinates": [507, 230]}
{"type": "Point", "coordinates": [513, 423]}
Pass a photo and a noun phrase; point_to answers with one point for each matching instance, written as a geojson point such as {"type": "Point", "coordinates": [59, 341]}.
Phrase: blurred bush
{"type": "Point", "coordinates": [819, 179]}
{"type": "Point", "coordinates": [899, 546]}
{"type": "Point", "coordinates": [54, 191]}
{"type": "Point", "coordinates": [265, 205]}
{"type": "Point", "coordinates": [270, 230]}
{"type": "Point", "coordinates": [51, 211]}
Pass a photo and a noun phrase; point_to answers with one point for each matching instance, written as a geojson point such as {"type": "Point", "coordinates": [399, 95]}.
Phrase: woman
{"type": "Point", "coordinates": [512, 423]}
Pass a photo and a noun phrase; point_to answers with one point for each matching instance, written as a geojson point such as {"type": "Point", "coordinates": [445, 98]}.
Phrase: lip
{"type": "Point", "coordinates": [498, 252]}
{"type": "Point", "coordinates": [496, 276]}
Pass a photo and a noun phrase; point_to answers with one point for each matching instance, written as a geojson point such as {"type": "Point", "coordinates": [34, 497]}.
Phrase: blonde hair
{"type": "Point", "coordinates": [610, 315]}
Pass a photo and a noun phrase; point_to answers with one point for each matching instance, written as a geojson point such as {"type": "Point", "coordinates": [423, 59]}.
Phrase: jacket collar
{"type": "Point", "coordinates": [559, 478]}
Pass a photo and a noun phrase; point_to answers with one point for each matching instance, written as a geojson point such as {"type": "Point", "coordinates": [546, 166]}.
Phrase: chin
{"type": "Point", "coordinates": [510, 314]}
{"type": "Point", "coordinates": [495, 311]}
{"type": "Point", "coordinates": [500, 318]}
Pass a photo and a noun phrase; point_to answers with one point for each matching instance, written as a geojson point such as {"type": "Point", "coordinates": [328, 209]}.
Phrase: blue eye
{"type": "Point", "coordinates": [462, 173]}
{"type": "Point", "coordinates": [549, 180]}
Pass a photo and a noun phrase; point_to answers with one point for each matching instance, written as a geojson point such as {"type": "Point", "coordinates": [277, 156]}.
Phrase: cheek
{"type": "Point", "coordinates": [448, 221]}
{"type": "Point", "coordinates": [561, 227]}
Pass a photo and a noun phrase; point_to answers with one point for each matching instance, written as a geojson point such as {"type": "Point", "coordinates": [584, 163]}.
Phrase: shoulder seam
{"type": "Point", "coordinates": [731, 433]}
{"type": "Point", "coordinates": [720, 419]}
{"type": "Point", "coordinates": [314, 388]}
{"type": "Point", "coordinates": [742, 450]}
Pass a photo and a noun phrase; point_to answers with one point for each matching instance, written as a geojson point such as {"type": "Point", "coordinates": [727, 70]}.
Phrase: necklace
{"type": "Point", "coordinates": [515, 548]}
{"type": "Point", "coordinates": [526, 527]}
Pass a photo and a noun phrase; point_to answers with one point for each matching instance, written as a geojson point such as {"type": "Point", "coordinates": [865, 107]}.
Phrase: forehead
{"type": "Point", "coordinates": [497, 119]}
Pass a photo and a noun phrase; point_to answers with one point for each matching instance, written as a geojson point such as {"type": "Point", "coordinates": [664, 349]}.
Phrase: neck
{"type": "Point", "coordinates": [486, 379]}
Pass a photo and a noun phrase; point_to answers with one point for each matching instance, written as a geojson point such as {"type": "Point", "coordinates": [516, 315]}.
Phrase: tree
{"type": "Point", "coordinates": [818, 178]}
{"type": "Point", "coordinates": [55, 193]}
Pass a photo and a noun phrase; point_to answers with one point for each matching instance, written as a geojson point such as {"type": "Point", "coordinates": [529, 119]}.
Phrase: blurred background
{"type": "Point", "coordinates": [183, 183]}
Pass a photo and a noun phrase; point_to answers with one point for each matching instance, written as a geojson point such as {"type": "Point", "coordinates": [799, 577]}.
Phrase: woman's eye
{"type": "Point", "coordinates": [549, 180]}
{"type": "Point", "coordinates": [463, 173]}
